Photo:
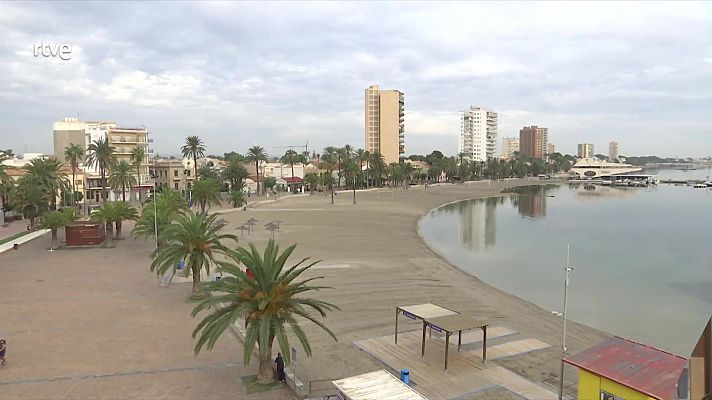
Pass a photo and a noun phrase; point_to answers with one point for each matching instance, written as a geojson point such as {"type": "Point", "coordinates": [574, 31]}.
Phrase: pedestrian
{"type": "Point", "coordinates": [280, 367]}
{"type": "Point", "coordinates": [3, 346]}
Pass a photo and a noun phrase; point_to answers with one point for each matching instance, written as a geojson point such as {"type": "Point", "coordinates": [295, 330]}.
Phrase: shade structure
{"type": "Point", "coordinates": [421, 312]}
{"type": "Point", "coordinates": [377, 385]}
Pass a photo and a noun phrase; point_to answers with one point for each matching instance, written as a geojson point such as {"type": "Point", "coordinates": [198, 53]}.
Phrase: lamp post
{"type": "Point", "coordinates": [567, 270]}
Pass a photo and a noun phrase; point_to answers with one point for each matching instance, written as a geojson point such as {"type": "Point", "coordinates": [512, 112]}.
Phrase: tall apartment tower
{"type": "Point", "coordinates": [585, 150]}
{"type": "Point", "coordinates": [478, 134]}
{"type": "Point", "coordinates": [384, 123]}
{"type": "Point", "coordinates": [533, 141]}
{"type": "Point", "coordinates": [613, 150]}
{"type": "Point", "coordinates": [509, 146]}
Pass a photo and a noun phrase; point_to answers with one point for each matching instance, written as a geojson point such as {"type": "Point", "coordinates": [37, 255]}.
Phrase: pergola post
{"type": "Point", "coordinates": [447, 346]}
{"type": "Point", "coordinates": [459, 340]}
{"type": "Point", "coordinates": [422, 351]}
{"type": "Point", "coordinates": [396, 335]}
{"type": "Point", "coordinates": [484, 344]}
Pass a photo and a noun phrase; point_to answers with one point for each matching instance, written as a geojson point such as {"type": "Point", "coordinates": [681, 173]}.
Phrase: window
{"type": "Point", "coordinates": [175, 174]}
{"type": "Point", "coordinates": [188, 172]}
{"type": "Point", "coordinates": [607, 396]}
{"type": "Point", "coordinates": [176, 184]}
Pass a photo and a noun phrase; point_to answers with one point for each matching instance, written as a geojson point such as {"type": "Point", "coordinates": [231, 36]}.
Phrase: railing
{"type": "Point", "coordinates": [323, 388]}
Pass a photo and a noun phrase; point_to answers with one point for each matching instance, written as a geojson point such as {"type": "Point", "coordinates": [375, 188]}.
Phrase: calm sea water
{"type": "Point", "coordinates": [642, 257]}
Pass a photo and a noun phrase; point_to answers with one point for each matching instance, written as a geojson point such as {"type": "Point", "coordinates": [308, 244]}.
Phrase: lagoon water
{"type": "Point", "coordinates": [642, 257]}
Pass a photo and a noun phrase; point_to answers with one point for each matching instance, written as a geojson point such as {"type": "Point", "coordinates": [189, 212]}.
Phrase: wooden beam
{"type": "Point", "coordinates": [396, 335]}
{"type": "Point", "coordinates": [484, 344]}
{"type": "Point", "coordinates": [447, 346]}
{"type": "Point", "coordinates": [459, 340]}
{"type": "Point", "coordinates": [422, 351]}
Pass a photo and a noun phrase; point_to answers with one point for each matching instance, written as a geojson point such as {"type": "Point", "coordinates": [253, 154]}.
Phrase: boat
{"type": "Point", "coordinates": [700, 186]}
{"type": "Point", "coordinates": [595, 168]}
{"type": "Point", "coordinates": [708, 183]}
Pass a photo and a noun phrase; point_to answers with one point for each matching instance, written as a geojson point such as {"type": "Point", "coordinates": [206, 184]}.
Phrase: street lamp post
{"type": "Point", "coordinates": [155, 206]}
{"type": "Point", "coordinates": [567, 270]}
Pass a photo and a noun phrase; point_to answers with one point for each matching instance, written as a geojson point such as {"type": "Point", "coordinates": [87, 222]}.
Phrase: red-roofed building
{"type": "Point", "coordinates": [621, 369]}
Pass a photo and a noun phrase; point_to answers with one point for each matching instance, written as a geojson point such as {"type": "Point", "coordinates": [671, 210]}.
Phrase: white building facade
{"type": "Point", "coordinates": [478, 134]}
{"type": "Point", "coordinates": [510, 145]}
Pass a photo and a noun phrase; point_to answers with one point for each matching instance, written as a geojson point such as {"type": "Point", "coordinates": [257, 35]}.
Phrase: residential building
{"type": "Point", "coordinates": [276, 170]}
{"type": "Point", "coordinates": [613, 150]}
{"type": "Point", "coordinates": [585, 150]}
{"type": "Point", "coordinates": [478, 134]}
{"type": "Point", "coordinates": [172, 174]}
{"type": "Point", "coordinates": [623, 369]}
{"type": "Point", "coordinates": [384, 123]}
{"type": "Point", "coordinates": [550, 148]}
{"type": "Point", "coordinates": [533, 141]}
{"type": "Point", "coordinates": [510, 145]}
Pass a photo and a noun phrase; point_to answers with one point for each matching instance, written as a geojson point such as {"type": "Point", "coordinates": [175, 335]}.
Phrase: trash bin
{"type": "Point", "coordinates": [180, 264]}
{"type": "Point", "coordinates": [217, 278]}
{"type": "Point", "coordinates": [405, 376]}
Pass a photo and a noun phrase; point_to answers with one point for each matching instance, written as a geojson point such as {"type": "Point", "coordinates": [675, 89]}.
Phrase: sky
{"type": "Point", "coordinates": [286, 73]}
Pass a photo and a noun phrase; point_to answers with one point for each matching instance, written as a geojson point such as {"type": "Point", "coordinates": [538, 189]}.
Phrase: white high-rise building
{"type": "Point", "coordinates": [509, 146]}
{"type": "Point", "coordinates": [478, 134]}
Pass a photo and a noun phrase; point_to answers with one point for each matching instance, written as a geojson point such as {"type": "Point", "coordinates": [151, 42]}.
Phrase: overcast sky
{"type": "Point", "coordinates": [278, 74]}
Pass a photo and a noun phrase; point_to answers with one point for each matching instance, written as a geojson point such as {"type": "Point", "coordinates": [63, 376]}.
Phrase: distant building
{"type": "Point", "coordinates": [172, 174]}
{"type": "Point", "coordinates": [533, 141]}
{"type": "Point", "coordinates": [550, 148]}
{"type": "Point", "coordinates": [613, 150]}
{"type": "Point", "coordinates": [384, 123]}
{"type": "Point", "coordinates": [585, 150]}
{"type": "Point", "coordinates": [510, 145]}
{"type": "Point", "coordinates": [478, 134]}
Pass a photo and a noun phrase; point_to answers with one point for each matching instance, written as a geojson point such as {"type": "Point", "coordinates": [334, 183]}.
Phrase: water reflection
{"type": "Point", "coordinates": [531, 200]}
{"type": "Point", "coordinates": [477, 222]}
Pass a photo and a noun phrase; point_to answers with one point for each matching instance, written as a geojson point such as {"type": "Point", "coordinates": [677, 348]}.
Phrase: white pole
{"type": "Point", "coordinates": [567, 269]}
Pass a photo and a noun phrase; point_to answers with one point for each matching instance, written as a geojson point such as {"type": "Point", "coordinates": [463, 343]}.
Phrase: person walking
{"type": "Point", "coordinates": [3, 346]}
{"type": "Point", "coordinates": [280, 367]}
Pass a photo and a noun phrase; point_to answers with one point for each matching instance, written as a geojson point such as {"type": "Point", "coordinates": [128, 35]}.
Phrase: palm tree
{"type": "Point", "coordinates": [328, 161]}
{"type": "Point", "coordinates": [121, 177]}
{"type": "Point", "coordinates": [193, 148]}
{"type": "Point", "coordinates": [362, 156]}
{"type": "Point", "coordinates": [159, 212]}
{"type": "Point", "coordinates": [6, 186]}
{"type": "Point", "coordinates": [377, 166]}
{"type": "Point", "coordinates": [49, 175]}
{"type": "Point", "coordinates": [290, 157]}
{"type": "Point", "coordinates": [29, 197]}
{"type": "Point", "coordinates": [352, 172]}
{"type": "Point", "coordinates": [107, 213]}
{"type": "Point", "coordinates": [269, 303]}
{"type": "Point", "coordinates": [332, 154]}
{"type": "Point", "coordinates": [194, 238]}
{"type": "Point", "coordinates": [124, 212]}
{"type": "Point", "coordinates": [138, 154]}
{"type": "Point", "coordinates": [74, 154]}
{"type": "Point", "coordinates": [206, 192]}
{"type": "Point", "coordinates": [312, 180]}
{"type": "Point", "coordinates": [235, 173]}
{"type": "Point", "coordinates": [101, 154]}
{"type": "Point", "coordinates": [237, 199]}
{"type": "Point", "coordinates": [55, 220]}
{"type": "Point", "coordinates": [256, 154]}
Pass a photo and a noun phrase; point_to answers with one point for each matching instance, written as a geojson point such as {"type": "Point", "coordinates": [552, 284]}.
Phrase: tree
{"type": "Point", "coordinates": [138, 155]}
{"type": "Point", "coordinates": [50, 177]}
{"type": "Point", "coordinates": [54, 220]}
{"type": "Point", "coordinates": [29, 197]}
{"type": "Point", "coordinates": [74, 154]}
{"type": "Point", "coordinates": [377, 166]}
{"type": "Point", "coordinates": [327, 179]}
{"type": "Point", "coordinates": [312, 180]}
{"type": "Point", "coordinates": [351, 170]}
{"type": "Point", "coordinates": [362, 156]}
{"type": "Point", "coordinates": [237, 199]}
{"type": "Point", "coordinates": [269, 303]}
{"type": "Point", "coordinates": [208, 172]}
{"type": "Point", "coordinates": [206, 192]}
{"type": "Point", "coordinates": [101, 154]}
{"type": "Point", "coordinates": [235, 173]}
{"type": "Point", "coordinates": [291, 157]}
{"type": "Point", "coordinates": [159, 212]}
{"type": "Point", "coordinates": [107, 213]}
{"type": "Point", "coordinates": [124, 212]}
{"type": "Point", "coordinates": [194, 238]}
{"type": "Point", "coordinates": [193, 148]}
{"type": "Point", "coordinates": [270, 182]}
{"type": "Point", "coordinates": [121, 177]}
{"type": "Point", "coordinates": [256, 154]}
{"type": "Point", "coordinates": [6, 186]}
{"type": "Point", "coordinates": [332, 156]}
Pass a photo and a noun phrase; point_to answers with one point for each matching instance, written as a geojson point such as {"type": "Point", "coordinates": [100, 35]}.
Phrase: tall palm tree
{"type": "Point", "coordinates": [124, 212]}
{"type": "Point", "coordinates": [235, 173]}
{"type": "Point", "coordinates": [256, 154]}
{"type": "Point", "coordinates": [158, 213]}
{"type": "Point", "coordinates": [138, 155]}
{"type": "Point", "coordinates": [377, 166]}
{"type": "Point", "coordinates": [328, 161]}
{"type": "Point", "coordinates": [49, 175]}
{"type": "Point", "coordinates": [193, 148]}
{"type": "Point", "coordinates": [312, 180]}
{"type": "Point", "coordinates": [333, 153]}
{"type": "Point", "coordinates": [206, 192]}
{"type": "Point", "coordinates": [194, 238]}
{"type": "Point", "coordinates": [352, 173]}
{"type": "Point", "coordinates": [30, 197]}
{"type": "Point", "coordinates": [362, 157]}
{"type": "Point", "coordinates": [121, 177]}
{"type": "Point", "coordinates": [6, 184]}
{"type": "Point", "coordinates": [74, 154]}
{"type": "Point", "coordinates": [54, 220]}
{"type": "Point", "coordinates": [108, 214]}
{"type": "Point", "coordinates": [237, 199]}
{"type": "Point", "coordinates": [101, 154]}
{"type": "Point", "coordinates": [269, 303]}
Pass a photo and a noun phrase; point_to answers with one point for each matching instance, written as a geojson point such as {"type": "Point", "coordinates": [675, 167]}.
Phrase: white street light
{"type": "Point", "coordinates": [567, 269]}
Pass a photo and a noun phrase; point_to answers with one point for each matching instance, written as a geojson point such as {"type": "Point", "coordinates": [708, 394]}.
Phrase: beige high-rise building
{"type": "Point", "coordinates": [510, 145]}
{"type": "Point", "coordinates": [550, 149]}
{"type": "Point", "coordinates": [613, 150]}
{"type": "Point", "coordinates": [384, 123]}
{"type": "Point", "coordinates": [585, 150]}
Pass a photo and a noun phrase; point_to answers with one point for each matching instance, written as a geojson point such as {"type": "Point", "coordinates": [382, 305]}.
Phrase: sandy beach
{"type": "Point", "coordinates": [374, 259]}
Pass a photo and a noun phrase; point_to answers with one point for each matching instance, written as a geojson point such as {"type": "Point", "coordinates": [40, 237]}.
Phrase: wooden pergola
{"type": "Point", "coordinates": [445, 320]}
